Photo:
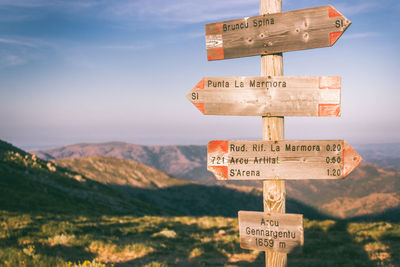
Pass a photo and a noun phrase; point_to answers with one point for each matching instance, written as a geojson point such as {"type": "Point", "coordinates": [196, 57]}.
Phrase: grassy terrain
{"type": "Point", "coordinates": [369, 190]}
{"type": "Point", "coordinates": [66, 240]}
{"type": "Point", "coordinates": [54, 216]}
{"type": "Point", "coordinates": [28, 183]}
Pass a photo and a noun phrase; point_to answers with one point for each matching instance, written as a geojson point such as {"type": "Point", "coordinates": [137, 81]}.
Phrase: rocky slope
{"type": "Point", "coordinates": [185, 162]}
{"type": "Point", "coordinates": [369, 189]}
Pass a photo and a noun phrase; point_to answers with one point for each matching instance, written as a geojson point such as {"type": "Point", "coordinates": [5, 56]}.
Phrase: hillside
{"type": "Point", "coordinates": [55, 240]}
{"type": "Point", "coordinates": [181, 197]}
{"type": "Point", "coordinates": [188, 162]}
{"type": "Point", "coordinates": [52, 215]}
{"type": "Point", "coordinates": [385, 155]}
{"type": "Point", "coordinates": [119, 172]}
{"type": "Point", "coordinates": [30, 184]}
{"type": "Point", "coordinates": [369, 189]}
{"type": "Point", "coordinates": [185, 162]}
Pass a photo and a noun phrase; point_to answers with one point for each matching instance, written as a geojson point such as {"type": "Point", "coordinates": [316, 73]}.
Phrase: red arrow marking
{"type": "Point", "coordinates": [200, 85]}
{"type": "Point", "coordinates": [329, 110]}
{"type": "Point", "coordinates": [333, 12]}
{"type": "Point", "coordinates": [215, 53]}
{"type": "Point", "coordinates": [329, 82]}
{"type": "Point", "coordinates": [218, 146]}
{"type": "Point", "coordinates": [221, 172]}
{"type": "Point", "coordinates": [334, 36]}
{"type": "Point", "coordinates": [350, 159]}
{"type": "Point", "coordinates": [200, 106]}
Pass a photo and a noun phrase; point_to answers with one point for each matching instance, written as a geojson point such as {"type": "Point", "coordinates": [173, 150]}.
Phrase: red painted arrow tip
{"type": "Point", "coordinates": [200, 107]}
{"type": "Point", "coordinates": [329, 110]}
{"type": "Point", "coordinates": [333, 37]}
{"type": "Point", "coordinates": [218, 146]}
{"type": "Point", "coordinates": [333, 12]}
{"type": "Point", "coordinates": [220, 172]}
{"type": "Point", "coordinates": [215, 53]}
{"type": "Point", "coordinates": [214, 28]}
{"type": "Point", "coordinates": [329, 82]}
{"type": "Point", "coordinates": [199, 85]}
{"type": "Point", "coordinates": [350, 159]}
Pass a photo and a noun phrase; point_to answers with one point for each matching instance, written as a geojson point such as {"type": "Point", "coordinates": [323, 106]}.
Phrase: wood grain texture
{"type": "Point", "coordinates": [267, 231]}
{"type": "Point", "coordinates": [268, 96]}
{"type": "Point", "coordinates": [276, 32]}
{"type": "Point", "coordinates": [282, 160]}
{"type": "Point", "coordinates": [272, 130]}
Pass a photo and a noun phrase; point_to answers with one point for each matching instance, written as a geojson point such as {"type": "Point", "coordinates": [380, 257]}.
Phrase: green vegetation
{"type": "Point", "coordinates": [28, 183]}
{"type": "Point", "coordinates": [67, 240]}
{"type": "Point", "coordinates": [121, 172]}
{"type": "Point", "coordinates": [52, 216]}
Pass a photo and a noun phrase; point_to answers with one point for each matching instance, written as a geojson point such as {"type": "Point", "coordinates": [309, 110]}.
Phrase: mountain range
{"type": "Point", "coordinates": [369, 190]}
{"type": "Point", "coordinates": [107, 185]}
{"type": "Point", "coordinates": [186, 162]}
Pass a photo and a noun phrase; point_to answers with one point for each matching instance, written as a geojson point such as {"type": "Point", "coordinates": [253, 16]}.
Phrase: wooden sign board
{"type": "Point", "coordinates": [270, 231]}
{"type": "Point", "coordinates": [261, 160]}
{"type": "Point", "coordinates": [268, 96]}
{"type": "Point", "coordinates": [274, 33]}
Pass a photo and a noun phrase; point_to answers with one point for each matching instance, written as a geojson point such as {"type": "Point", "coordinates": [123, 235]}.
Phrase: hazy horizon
{"type": "Point", "coordinates": [97, 71]}
{"type": "Point", "coordinates": [55, 146]}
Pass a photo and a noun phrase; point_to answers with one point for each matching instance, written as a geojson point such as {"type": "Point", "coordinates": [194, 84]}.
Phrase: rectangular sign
{"type": "Point", "coordinates": [270, 231]}
{"type": "Point", "coordinates": [274, 33]}
{"type": "Point", "coordinates": [261, 160]}
{"type": "Point", "coordinates": [317, 96]}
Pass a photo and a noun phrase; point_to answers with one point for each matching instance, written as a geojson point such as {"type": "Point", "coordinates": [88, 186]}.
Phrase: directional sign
{"type": "Point", "coordinates": [274, 33]}
{"type": "Point", "coordinates": [261, 160]}
{"type": "Point", "coordinates": [270, 231]}
{"type": "Point", "coordinates": [268, 96]}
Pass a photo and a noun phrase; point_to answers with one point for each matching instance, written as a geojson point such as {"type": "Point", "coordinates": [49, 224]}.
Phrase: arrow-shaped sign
{"type": "Point", "coordinates": [274, 33]}
{"type": "Point", "coordinates": [270, 231]}
{"type": "Point", "coordinates": [261, 160]}
{"type": "Point", "coordinates": [268, 96]}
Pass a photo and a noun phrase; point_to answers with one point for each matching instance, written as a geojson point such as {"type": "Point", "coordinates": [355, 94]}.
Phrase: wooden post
{"type": "Point", "coordinates": [274, 192]}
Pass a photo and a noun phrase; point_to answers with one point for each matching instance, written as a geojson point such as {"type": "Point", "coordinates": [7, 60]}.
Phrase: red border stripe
{"type": "Point", "coordinates": [200, 106]}
{"type": "Point", "coordinates": [214, 28]}
{"type": "Point", "coordinates": [215, 146]}
{"type": "Point", "coordinates": [221, 172]}
{"type": "Point", "coordinates": [329, 82]}
{"type": "Point", "coordinates": [333, 12]}
{"type": "Point", "coordinates": [329, 110]}
{"type": "Point", "coordinates": [215, 53]}
{"type": "Point", "coordinates": [200, 85]}
{"type": "Point", "coordinates": [333, 37]}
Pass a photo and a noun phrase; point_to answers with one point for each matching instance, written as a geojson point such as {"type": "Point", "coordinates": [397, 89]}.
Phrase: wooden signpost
{"type": "Point", "coordinates": [270, 231]}
{"type": "Point", "coordinates": [260, 160]}
{"type": "Point", "coordinates": [272, 96]}
{"type": "Point", "coordinates": [274, 33]}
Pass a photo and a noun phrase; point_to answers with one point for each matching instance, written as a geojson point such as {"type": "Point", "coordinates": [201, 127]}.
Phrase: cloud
{"type": "Point", "coordinates": [13, 60]}
{"type": "Point", "coordinates": [10, 60]}
{"type": "Point", "coordinates": [16, 51]}
{"type": "Point", "coordinates": [49, 3]}
{"type": "Point", "coordinates": [15, 42]}
{"type": "Point", "coordinates": [195, 11]}
{"type": "Point", "coordinates": [351, 8]}
{"type": "Point", "coordinates": [360, 35]}
{"type": "Point", "coordinates": [178, 11]}
{"type": "Point", "coordinates": [133, 47]}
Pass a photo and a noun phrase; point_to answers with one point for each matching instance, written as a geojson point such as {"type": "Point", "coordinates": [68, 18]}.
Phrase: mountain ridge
{"type": "Point", "coordinates": [189, 162]}
{"type": "Point", "coordinates": [29, 184]}
{"type": "Point", "coordinates": [190, 159]}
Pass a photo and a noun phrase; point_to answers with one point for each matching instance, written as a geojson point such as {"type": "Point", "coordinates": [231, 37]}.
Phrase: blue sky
{"type": "Point", "coordinates": [96, 71]}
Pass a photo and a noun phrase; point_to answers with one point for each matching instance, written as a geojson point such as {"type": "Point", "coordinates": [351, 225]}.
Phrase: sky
{"type": "Point", "coordinates": [118, 70]}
